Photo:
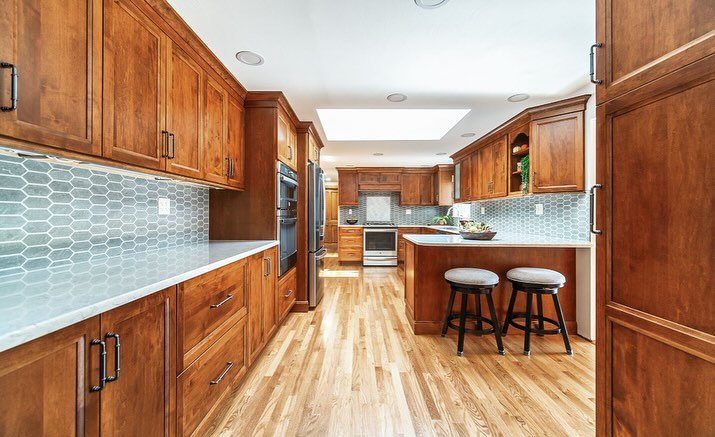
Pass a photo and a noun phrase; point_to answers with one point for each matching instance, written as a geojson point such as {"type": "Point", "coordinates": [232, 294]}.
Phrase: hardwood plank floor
{"type": "Point", "coordinates": [353, 368]}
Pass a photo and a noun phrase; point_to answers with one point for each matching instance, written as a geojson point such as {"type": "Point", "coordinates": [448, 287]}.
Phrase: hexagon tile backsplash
{"type": "Point", "coordinates": [52, 214]}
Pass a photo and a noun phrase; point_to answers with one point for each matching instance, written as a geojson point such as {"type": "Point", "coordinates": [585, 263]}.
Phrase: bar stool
{"type": "Point", "coordinates": [535, 281]}
{"type": "Point", "coordinates": [477, 282]}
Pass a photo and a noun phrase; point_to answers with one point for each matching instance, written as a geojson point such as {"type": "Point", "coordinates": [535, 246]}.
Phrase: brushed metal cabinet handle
{"type": "Point", "coordinates": [290, 292]}
{"type": "Point", "coordinates": [592, 206]}
{"type": "Point", "coordinates": [216, 305]}
{"type": "Point", "coordinates": [229, 365]}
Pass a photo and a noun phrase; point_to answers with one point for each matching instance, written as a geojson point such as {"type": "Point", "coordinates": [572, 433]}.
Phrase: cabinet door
{"type": "Point", "coordinates": [482, 171]}
{"type": "Point", "coordinates": [465, 181]}
{"type": "Point", "coordinates": [313, 150]}
{"type": "Point", "coordinates": [458, 182]}
{"type": "Point", "coordinates": [286, 294]}
{"type": "Point", "coordinates": [390, 178]}
{"type": "Point", "coordinates": [410, 192]}
{"type": "Point", "coordinates": [287, 140]}
{"type": "Point", "coordinates": [134, 53]}
{"type": "Point", "coordinates": [270, 286]}
{"type": "Point", "coordinates": [427, 189]}
{"type": "Point", "coordinates": [646, 39]}
{"type": "Point", "coordinates": [46, 384]}
{"type": "Point", "coordinates": [499, 168]}
{"type": "Point", "coordinates": [348, 188]}
{"type": "Point", "coordinates": [369, 177]}
{"type": "Point", "coordinates": [141, 399]}
{"type": "Point", "coordinates": [184, 89]}
{"type": "Point", "coordinates": [557, 154]}
{"type": "Point", "coordinates": [56, 46]}
{"type": "Point", "coordinates": [235, 148]}
{"type": "Point", "coordinates": [256, 271]}
{"type": "Point", "coordinates": [215, 161]}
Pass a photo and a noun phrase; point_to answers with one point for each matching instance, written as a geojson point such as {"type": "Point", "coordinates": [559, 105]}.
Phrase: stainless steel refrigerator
{"type": "Point", "coordinates": [316, 227]}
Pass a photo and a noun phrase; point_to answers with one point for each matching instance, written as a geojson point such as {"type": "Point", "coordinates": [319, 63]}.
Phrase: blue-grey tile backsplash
{"type": "Point", "coordinates": [419, 215]}
{"type": "Point", "coordinates": [52, 214]}
{"type": "Point", "coordinates": [565, 215]}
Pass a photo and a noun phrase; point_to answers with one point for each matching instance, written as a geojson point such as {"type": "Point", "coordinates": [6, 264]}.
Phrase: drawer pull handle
{"type": "Point", "coordinates": [216, 305]}
{"type": "Point", "coordinates": [117, 352]}
{"type": "Point", "coordinates": [102, 364]}
{"type": "Point", "coordinates": [225, 371]}
{"type": "Point", "coordinates": [289, 294]}
{"type": "Point", "coordinates": [13, 87]}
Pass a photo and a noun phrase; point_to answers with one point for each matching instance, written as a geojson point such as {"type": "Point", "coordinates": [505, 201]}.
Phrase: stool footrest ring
{"type": "Point", "coordinates": [476, 319]}
{"type": "Point", "coordinates": [535, 318]}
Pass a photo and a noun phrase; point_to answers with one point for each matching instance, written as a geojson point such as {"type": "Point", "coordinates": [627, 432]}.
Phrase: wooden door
{"type": "Point", "coordinates": [482, 169]}
{"type": "Point", "coordinates": [235, 146]}
{"type": "Point", "coordinates": [256, 272]}
{"type": "Point", "coordinates": [56, 46]}
{"type": "Point", "coordinates": [410, 192]}
{"type": "Point", "coordinates": [141, 399]}
{"type": "Point", "coordinates": [313, 150]}
{"type": "Point", "coordinates": [287, 141]}
{"type": "Point", "coordinates": [499, 168]}
{"type": "Point", "coordinates": [270, 286]}
{"type": "Point", "coordinates": [184, 101]}
{"type": "Point", "coordinates": [133, 80]}
{"type": "Point", "coordinates": [215, 162]}
{"type": "Point", "coordinates": [655, 326]}
{"type": "Point", "coordinates": [348, 187]}
{"type": "Point", "coordinates": [427, 189]}
{"type": "Point", "coordinates": [647, 39]}
{"type": "Point", "coordinates": [465, 182]}
{"type": "Point", "coordinates": [46, 384]}
{"type": "Point", "coordinates": [556, 157]}
{"type": "Point", "coordinates": [331, 216]}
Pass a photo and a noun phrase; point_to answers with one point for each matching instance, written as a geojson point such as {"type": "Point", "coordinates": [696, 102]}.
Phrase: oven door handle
{"type": "Point", "coordinates": [289, 181]}
{"type": "Point", "coordinates": [288, 220]}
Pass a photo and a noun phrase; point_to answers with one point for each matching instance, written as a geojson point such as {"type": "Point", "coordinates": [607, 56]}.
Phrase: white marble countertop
{"type": "Point", "coordinates": [37, 303]}
{"type": "Point", "coordinates": [502, 239]}
{"type": "Point", "coordinates": [450, 229]}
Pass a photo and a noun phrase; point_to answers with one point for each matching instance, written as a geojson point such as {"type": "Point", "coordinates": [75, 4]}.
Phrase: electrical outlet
{"type": "Point", "coordinates": [164, 206]}
{"type": "Point", "coordinates": [350, 211]}
{"type": "Point", "coordinates": [408, 211]}
{"type": "Point", "coordinates": [483, 210]}
{"type": "Point", "coordinates": [539, 209]}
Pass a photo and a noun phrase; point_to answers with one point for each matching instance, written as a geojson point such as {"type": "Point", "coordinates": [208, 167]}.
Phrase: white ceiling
{"type": "Point", "coordinates": [351, 54]}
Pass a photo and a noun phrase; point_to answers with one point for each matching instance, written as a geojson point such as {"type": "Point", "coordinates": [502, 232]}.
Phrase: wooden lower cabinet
{"type": "Point", "coordinates": [46, 384]}
{"type": "Point", "coordinates": [349, 243]}
{"type": "Point", "coordinates": [262, 310]}
{"type": "Point", "coordinates": [210, 378]}
{"type": "Point", "coordinates": [140, 401]}
{"type": "Point", "coordinates": [285, 298]}
{"type": "Point", "coordinates": [401, 240]}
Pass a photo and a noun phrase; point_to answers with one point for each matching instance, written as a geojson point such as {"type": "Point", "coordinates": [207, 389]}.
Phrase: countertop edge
{"type": "Point", "coordinates": [32, 332]}
{"type": "Point", "coordinates": [488, 243]}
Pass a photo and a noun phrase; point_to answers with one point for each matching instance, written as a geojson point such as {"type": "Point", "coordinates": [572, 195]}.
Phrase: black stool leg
{"type": "Point", "coordinates": [540, 312]}
{"type": "Point", "coordinates": [449, 312]}
{"type": "Point", "coordinates": [527, 325]}
{"type": "Point", "coordinates": [493, 312]}
{"type": "Point", "coordinates": [478, 300]}
{"type": "Point", "coordinates": [462, 322]}
{"type": "Point", "coordinates": [564, 332]}
{"type": "Point", "coordinates": [509, 311]}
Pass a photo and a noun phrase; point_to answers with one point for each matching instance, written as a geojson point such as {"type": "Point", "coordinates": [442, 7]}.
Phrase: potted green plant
{"type": "Point", "coordinates": [525, 174]}
{"type": "Point", "coordinates": [444, 220]}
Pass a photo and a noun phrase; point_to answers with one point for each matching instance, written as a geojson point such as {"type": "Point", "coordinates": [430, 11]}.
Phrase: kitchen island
{"type": "Point", "coordinates": [427, 257]}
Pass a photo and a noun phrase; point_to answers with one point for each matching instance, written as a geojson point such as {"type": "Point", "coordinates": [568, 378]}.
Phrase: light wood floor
{"type": "Point", "coordinates": [353, 368]}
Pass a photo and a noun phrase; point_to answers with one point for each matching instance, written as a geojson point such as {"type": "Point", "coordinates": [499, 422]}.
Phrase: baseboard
{"type": "Point", "coordinates": [300, 306]}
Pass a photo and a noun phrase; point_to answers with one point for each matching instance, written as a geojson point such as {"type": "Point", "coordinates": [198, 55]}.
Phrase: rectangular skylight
{"type": "Point", "coordinates": [388, 124]}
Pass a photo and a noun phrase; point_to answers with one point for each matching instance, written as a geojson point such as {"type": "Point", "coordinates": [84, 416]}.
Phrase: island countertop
{"type": "Point", "coordinates": [502, 239]}
{"type": "Point", "coordinates": [37, 303]}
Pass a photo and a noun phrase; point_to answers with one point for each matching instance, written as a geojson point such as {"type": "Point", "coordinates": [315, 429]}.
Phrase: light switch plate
{"type": "Point", "coordinates": [408, 211]}
{"type": "Point", "coordinates": [539, 209]}
{"type": "Point", "coordinates": [164, 206]}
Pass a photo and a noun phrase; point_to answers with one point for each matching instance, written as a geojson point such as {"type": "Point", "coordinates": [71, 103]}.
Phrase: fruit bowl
{"type": "Point", "coordinates": [351, 221]}
{"type": "Point", "coordinates": [486, 235]}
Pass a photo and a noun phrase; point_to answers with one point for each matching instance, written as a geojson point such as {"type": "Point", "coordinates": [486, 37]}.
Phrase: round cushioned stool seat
{"type": "Point", "coordinates": [471, 276]}
{"type": "Point", "coordinates": [532, 275]}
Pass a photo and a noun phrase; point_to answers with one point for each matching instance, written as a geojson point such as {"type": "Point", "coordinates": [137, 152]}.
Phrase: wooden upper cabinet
{"type": "Point", "coordinates": [287, 141]}
{"type": "Point", "coordinates": [646, 39]}
{"type": "Point", "coordinates": [410, 193]}
{"type": "Point", "coordinates": [56, 46]}
{"type": "Point", "coordinates": [444, 185]}
{"type": "Point", "coordinates": [184, 107]}
{"type": "Point", "coordinates": [313, 150]}
{"type": "Point", "coordinates": [141, 400]}
{"type": "Point", "coordinates": [557, 154]}
{"type": "Point", "coordinates": [134, 53]}
{"type": "Point", "coordinates": [48, 381]}
{"type": "Point", "coordinates": [492, 170]}
{"type": "Point", "coordinates": [427, 188]}
{"type": "Point", "coordinates": [368, 177]}
{"type": "Point", "coordinates": [235, 145]}
{"type": "Point", "coordinates": [481, 171]}
{"type": "Point", "coordinates": [215, 163]}
{"type": "Point", "coordinates": [465, 182]}
{"type": "Point", "coordinates": [390, 178]}
{"type": "Point", "coordinates": [348, 187]}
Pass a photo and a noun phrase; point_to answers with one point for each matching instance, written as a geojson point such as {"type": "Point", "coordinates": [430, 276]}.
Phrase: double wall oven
{"type": "Point", "coordinates": [287, 217]}
{"type": "Point", "coordinates": [379, 244]}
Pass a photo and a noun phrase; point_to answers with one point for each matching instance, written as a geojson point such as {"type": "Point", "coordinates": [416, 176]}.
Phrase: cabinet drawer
{"type": "Point", "coordinates": [350, 255]}
{"type": "Point", "coordinates": [351, 241]}
{"type": "Point", "coordinates": [350, 231]}
{"type": "Point", "coordinates": [286, 294]}
{"type": "Point", "coordinates": [403, 231]}
{"type": "Point", "coordinates": [210, 377]}
{"type": "Point", "coordinates": [208, 305]}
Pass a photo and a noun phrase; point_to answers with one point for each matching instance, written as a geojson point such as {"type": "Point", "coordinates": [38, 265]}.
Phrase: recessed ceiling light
{"type": "Point", "coordinates": [249, 58]}
{"type": "Point", "coordinates": [441, 153]}
{"type": "Point", "coordinates": [518, 97]}
{"type": "Point", "coordinates": [378, 154]}
{"type": "Point", "coordinates": [388, 124]}
{"type": "Point", "coordinates": [468, 135]}
{"type": "Point", "coordinates": [430, 4]}
{"type": "Point", "coordinates": [397, 98]}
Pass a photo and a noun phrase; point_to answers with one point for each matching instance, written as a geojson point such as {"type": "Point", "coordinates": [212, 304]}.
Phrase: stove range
{"type": "Point", "coordinates": [380, 224]}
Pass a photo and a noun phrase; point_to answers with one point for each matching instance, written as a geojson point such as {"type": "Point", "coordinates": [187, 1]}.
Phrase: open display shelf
{"type": "Point", "coordinates": [517, 138]}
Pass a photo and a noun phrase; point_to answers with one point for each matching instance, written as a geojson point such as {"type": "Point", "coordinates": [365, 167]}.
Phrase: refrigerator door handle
{"type": "Point", "coordinates": [321, 253]}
